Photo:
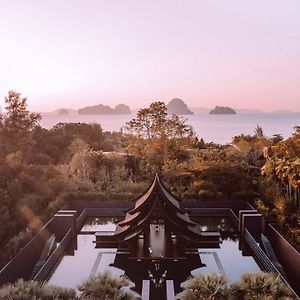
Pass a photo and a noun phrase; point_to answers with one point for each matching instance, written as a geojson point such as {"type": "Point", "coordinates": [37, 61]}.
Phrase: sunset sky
{"type": "Point", "coordinates": [73, 53]}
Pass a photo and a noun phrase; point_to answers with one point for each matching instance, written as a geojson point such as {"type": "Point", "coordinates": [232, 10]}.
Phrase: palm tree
{"type": "Point", "coordinates": [260, 285]}
{"type": "Point", "coordinates": [105, 286]}
{"type": "Point", "coordinates": [210, 286]}
{"type": "Point", "coordinates": [259, 131]}
{"type": "Point", "coordinates": [29, 290]}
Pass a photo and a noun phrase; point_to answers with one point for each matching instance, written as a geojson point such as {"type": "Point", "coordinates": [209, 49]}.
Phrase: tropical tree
{"type": "Point", "coordinates": [91, 133]}
{"type": "Point", "coordinates": [296, 131]}
{"type": "Point", "coordinates": [284, 169]}
{"type": "Point", "coordinates": [259, 131]}
{"type": "Point", "coordinates": [80, 162]}
{"type": "Point", "coordinates": [87, 163]}
{"type": "Point", "coordinates": [159, 134]}
{"type": "Point", "coordinates": [17, 122]}
{"type": "Point", "coordinates": [155, 123]}
{"type": "Point", "coordinates": [231, 179]}
{"type": "Point", "coordinates": [276, 138]}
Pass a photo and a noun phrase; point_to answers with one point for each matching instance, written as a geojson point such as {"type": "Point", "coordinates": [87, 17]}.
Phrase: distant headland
{"type": "Point", "coordinates": [222, 110]}
{"type": "Point", "coordinates": [101, 109]}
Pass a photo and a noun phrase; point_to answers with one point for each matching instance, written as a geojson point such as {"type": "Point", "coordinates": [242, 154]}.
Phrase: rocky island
{"type": "Point", "coordinates": [101, 109]}
{"type": "Point", "coordinates": [122, 109]}
{"type": "Point", "coordinates": [63, 112]}
{"type": "Point", "coordinates": [222, 110]}
{"type": "Point", "coordinates": [178, 107]}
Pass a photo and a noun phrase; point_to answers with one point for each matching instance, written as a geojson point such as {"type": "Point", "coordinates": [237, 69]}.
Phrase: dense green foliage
{"type": "Point", "coordinates": [41, 170]}
{"type": "Point", "coordinates": [281, 187]}
{"type": "Point", "coordinates": [17, 123]}
{"type": "Point", "coordinates": [158, 137]}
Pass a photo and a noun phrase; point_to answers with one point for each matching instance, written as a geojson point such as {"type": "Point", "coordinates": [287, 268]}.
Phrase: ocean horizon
{"type": "Point", "coordinates": [219, 129]}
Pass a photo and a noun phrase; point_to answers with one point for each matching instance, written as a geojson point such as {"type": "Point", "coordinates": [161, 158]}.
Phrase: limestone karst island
{"type": "Point", "coordinates": [222, 110]}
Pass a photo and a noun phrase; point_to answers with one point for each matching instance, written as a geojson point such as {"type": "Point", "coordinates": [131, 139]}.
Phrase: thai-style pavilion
{"type": "Point", "coordinates": [157, 227]}
{"type": "Point", "coordinates": [157, 244]}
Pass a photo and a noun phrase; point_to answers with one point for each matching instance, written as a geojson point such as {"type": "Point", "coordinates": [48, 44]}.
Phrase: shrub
{"type": "Point", "coordinates": [261, 285]}
{"type": "Point", "coordinates": [18, 241]}
{"type": "Point", "coordinates": [105, 286]}
{"type": "Point", "coordinates": [211, 286]}
{"type": "Point", "coordinates": [34, 290]}
{"type": "Point", "coordinates": [205, 286]}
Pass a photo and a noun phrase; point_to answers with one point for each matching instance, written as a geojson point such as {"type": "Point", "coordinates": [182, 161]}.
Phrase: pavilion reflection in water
{"type": "Point", "coordinates": [157, 239]}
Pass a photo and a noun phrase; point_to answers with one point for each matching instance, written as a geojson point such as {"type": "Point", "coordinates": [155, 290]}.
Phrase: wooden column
{"type": "Point", "coordinates": [146, 240]}
{"type": "Point", "coordinates": [168, 242]}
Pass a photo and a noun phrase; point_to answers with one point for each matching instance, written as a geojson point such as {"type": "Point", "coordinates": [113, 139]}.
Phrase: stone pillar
{"type": "Point", "coordinates": [254, 224]}
{"type": "Point", "coordinates": [61, 223]}
{"type": "Point", "coordinates": [146, 290]}
{"type": "Point", "coordinates": [241, 229]}
{"type": "Point", "coordinates": [170, 290]}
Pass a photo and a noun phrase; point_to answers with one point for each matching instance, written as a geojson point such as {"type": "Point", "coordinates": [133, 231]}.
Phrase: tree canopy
{"type": "Point", "coordinates": [161, 136]}
{"type": "Point", "coordinates": [154, 122]}
{"type": "Point", "coordinates": [17, 123]}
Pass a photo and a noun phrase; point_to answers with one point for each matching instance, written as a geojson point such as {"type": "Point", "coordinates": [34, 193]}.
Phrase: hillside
{"type": "Point", "coordinates": [101, 109]}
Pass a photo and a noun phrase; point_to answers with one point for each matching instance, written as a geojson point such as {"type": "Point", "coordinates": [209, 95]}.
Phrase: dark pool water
{"type": "Point", "coordinates": [222, 224]}
{"type": "Point", "coordinates": [83, 260]}
{"type": "Point", "coordinates": [100, 224]}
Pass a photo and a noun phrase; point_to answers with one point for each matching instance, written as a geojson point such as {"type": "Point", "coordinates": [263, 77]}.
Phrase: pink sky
{"type": "Point", "coordinates": [59, 53]}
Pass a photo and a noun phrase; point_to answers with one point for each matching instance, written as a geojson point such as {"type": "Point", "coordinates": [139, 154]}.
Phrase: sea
{"type": "Point", "coordinates": [219, 129]}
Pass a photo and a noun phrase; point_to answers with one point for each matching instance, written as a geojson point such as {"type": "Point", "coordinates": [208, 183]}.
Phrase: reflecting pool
{"type": "Point", "coordinates": [83, 260]}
